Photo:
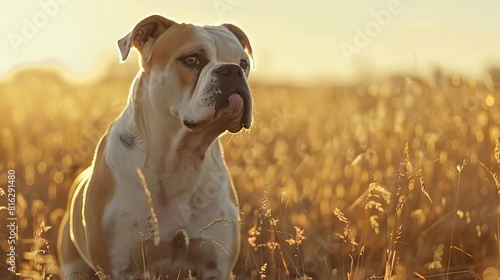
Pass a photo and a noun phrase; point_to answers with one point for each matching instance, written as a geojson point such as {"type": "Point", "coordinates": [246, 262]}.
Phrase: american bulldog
{"type": "Point", "coordinates": [124, 224]}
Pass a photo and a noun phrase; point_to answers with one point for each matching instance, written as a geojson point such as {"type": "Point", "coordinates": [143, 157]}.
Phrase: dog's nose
{"type": "Point", "coordinates": [230, 71]}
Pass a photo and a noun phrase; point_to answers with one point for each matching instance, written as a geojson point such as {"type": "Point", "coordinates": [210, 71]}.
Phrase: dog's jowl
{"type": "Point", "coordinates": [158, 201]}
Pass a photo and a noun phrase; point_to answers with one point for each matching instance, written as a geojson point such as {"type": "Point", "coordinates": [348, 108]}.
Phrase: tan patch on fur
{"type": "Point", "coordinates": [98, 187]}
{"type": "Point", "coordinates": [100, 191]}
{"type": "Point", "coordinates": [96, 190]}
{"type": "Point", "coordinates": [176, 41]}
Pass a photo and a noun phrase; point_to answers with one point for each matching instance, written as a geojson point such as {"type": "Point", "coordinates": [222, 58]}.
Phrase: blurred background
{"type": "Point", "coordinates": [294, 40]}
{"type": "Point", "coordinates": [376, 130]}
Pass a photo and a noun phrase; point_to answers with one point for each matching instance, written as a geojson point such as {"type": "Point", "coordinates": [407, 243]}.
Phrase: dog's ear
{"type": "Point", "coordinates": [241, 36]}
{"type": "Point", "coordinates": [148, 29]}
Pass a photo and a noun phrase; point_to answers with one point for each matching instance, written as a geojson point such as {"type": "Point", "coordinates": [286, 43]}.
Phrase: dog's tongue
{"type": "Point", "coordinates": [239, 107]}
{"type": "Point", "coordinates": [235, 102]}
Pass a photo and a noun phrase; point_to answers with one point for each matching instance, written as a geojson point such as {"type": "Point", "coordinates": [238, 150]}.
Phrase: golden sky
{"type": "Point", "coordinates": [292, 40]}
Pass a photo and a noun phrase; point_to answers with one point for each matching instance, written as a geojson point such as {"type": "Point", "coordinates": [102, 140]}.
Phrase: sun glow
{"type": "Point", "coordinates": [387, 35]}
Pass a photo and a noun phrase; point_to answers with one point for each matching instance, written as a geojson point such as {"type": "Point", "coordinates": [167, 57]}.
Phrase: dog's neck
{"type": "Point", "coordinates": [173, 154]}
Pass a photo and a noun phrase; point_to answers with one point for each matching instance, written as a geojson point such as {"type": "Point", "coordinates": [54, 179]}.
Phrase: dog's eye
{"type": "Point", "coordinates": [192, 60]}
{"type": "Point", "coordinates": [243, 64]}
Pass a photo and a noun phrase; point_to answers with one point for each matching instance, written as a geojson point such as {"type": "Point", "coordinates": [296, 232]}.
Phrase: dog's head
{"type": "Point", "coordinates": [197, 74]}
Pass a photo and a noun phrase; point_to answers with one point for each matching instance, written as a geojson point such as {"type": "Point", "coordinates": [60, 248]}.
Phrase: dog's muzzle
{"type": "Point", "coordinates": [230, 96]}
{"type": "Point", "coordinates": [232, 80]}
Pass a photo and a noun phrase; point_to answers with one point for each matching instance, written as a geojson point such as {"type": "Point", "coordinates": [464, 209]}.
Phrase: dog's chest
{"type": "Point", "coordinates": [199, 214]}
{"type": "Point", "coordinates": [191, 212]}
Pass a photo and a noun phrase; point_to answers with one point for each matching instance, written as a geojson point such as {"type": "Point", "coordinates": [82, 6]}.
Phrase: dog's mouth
{"type": "Point", "coordinates": [226, 101]}
{"type": "Point", "coordinates": [232, 114]}
{"type": "Point", "coordinates": [239, 112]}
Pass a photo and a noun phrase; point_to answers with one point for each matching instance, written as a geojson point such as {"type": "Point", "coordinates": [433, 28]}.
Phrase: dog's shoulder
{"type": "Point", "coordinates": [98, 193]}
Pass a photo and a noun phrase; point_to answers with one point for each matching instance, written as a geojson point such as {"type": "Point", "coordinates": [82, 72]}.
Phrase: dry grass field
{"type": "Point", "coordinates": [394, 178]}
